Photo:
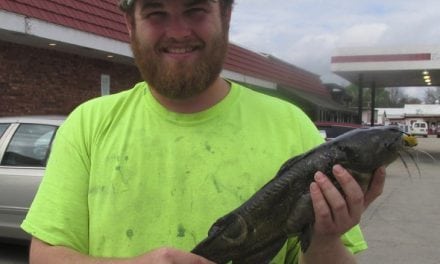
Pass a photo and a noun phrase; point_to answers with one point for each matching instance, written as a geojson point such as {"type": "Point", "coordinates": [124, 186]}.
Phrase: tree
{"type": "Point", "coordinates": [385, 97]}
{"type": "Point", "coordinates": [432, 95]}
{"type": "Point", "coordinates": [396, 96]}
{"type": "Point", "coordinates": [352, 91]}
{"type": "Point", "coordinates": [410, 100]}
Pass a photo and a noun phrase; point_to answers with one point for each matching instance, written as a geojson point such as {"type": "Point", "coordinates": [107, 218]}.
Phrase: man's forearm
{"type": "Point", "coordinates": [42, 253]}
{"type": "Point", "coordinates": [327, 250]}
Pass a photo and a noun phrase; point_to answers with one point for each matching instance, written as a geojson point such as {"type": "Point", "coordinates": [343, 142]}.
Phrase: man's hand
{"type": "Point", "coordinates": [335, 214]}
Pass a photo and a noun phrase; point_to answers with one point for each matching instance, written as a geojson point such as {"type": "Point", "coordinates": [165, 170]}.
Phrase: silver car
{"type": "Point", "coordinates": [24, 148]}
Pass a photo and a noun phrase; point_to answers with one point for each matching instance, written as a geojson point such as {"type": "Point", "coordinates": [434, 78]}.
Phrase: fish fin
{"type": "Point", "coordinates": [219, 225]}
{"type": "Point", "coordinates": [231, 226]}
{"type": "Point", "coordinates": [305, 237]}
{"type": "Point", "coordinates": [300, 216]}
{"type": "Point", "coordinates": [262, 255]}
{"type": "Point", "coordinates": [288, 164]}
{"type": "Point", "coordinates": [227, 233]}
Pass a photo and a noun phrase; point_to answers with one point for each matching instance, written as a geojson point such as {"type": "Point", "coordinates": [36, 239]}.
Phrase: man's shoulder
{"type": "Point", "coordinates": [265, 100]}
{"type": "Point", "coordinates": [116, 99]}
{"type": "Point", "coordinates": [105, 109]}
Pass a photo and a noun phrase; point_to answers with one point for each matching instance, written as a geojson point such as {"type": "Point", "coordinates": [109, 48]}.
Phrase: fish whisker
{"type": "Point", "coordinates": [427, 154]}
{"type": "Point", "coordinates": [406, 164]}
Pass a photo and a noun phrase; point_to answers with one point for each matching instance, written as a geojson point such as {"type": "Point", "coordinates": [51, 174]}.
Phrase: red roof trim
{"type": "Point", "coordinates": [270, 68]}
{"type": "Point", "coordinates": [382, 58]}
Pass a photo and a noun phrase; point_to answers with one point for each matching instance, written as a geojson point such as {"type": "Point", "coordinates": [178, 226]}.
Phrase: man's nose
{"type": "Point", "coordinates": [178, 27]}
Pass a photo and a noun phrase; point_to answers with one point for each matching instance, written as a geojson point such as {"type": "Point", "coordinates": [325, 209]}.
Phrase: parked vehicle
{"type": "Point", "coordinates": [332, 129]}
{"type": "Point", "coordinates": [25, 144]}
{"type": "Point", "coordinates": [419, 128]}
{"type": "Point", "coordinates": [323, 133]}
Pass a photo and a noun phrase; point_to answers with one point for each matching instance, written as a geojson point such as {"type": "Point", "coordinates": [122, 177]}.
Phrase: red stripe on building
{"type": "Point", "coordinates": [382, 58]}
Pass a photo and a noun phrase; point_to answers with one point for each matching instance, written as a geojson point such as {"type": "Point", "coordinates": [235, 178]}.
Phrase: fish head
{"type": "Point", "coordinates": [365, 149]}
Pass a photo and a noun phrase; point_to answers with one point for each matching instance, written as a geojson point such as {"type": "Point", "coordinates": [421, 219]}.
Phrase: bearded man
{"type": "Point", "coordinates": [140, 176]}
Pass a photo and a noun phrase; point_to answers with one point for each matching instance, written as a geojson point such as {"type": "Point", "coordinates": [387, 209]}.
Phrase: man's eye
{"type": "Point", "coordinates": [196, 11]}
{"type": "Point", "coordinates": [157, 14]}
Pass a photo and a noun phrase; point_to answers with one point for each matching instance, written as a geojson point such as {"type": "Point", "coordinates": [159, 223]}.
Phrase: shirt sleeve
{"type": "Point", "coordinates": [354, 240]}
{"type": "Point", "coordinates": [59, 212]}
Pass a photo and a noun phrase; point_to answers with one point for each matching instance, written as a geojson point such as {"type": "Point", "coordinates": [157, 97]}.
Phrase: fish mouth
{"type": "Point", "coordinates": [409, 141]}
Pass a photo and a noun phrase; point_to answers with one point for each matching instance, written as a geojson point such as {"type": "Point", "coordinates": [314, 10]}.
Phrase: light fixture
{"type": "Point", "coordinates": [52, 44]}
{"type": "Point", "coordinates": [110, 56]}
{"type": "Point", "coordinates": [427, 78]}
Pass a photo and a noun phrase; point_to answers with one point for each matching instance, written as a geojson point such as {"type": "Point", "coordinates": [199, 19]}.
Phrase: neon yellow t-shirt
{"type": "Point", "coordinates": [126, 175]}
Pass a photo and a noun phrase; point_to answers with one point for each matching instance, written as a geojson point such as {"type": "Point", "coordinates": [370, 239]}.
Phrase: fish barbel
{"type": "Point", "coordinates": [256, 230]}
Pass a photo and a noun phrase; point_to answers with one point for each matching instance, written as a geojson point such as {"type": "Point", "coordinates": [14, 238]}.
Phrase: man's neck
{"type": "Point", "coordinates": [208, 98]}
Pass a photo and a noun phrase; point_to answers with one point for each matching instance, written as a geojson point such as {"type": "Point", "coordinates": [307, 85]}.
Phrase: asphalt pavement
{"type": "Point", "coordinates": [402, 225]}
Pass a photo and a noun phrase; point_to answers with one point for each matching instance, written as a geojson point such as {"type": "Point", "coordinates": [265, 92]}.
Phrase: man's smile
{"type": "Point", "coordinates": [179, 50]}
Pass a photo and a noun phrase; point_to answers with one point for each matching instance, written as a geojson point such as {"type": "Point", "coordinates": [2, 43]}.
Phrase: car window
{"type": "Point", "coordinates": [3, 128]}
{"type": "Point", "coordinates": [29, 146]}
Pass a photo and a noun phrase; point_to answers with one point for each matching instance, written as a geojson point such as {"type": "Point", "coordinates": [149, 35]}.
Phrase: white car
{"type": "Point", "coordinates": [419, 128]}
{"type": "Point", "coordinates": [24, 148]}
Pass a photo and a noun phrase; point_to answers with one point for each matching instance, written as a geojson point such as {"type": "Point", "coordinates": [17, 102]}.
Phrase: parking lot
{"type": "Point", "coordinates": [400, 227]}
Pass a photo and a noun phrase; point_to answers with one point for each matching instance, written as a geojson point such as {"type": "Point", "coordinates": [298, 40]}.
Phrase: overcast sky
{"type": "Point", "coordinates": [306, 32]}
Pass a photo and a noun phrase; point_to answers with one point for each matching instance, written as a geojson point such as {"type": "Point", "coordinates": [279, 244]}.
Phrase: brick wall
{"type": "Point", "coordinates": [36, 81]}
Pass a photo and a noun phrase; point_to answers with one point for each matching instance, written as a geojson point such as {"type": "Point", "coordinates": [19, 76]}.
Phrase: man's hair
{"type": "Point", "coordinates": [127, 6]}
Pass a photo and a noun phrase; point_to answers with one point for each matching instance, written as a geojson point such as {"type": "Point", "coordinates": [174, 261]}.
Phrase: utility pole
{"type": "Point", "coordinates": [360, 95]}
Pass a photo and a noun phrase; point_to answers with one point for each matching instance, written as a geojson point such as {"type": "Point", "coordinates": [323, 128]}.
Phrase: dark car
{"type": "Point", "coordinates": [333, 130]}
{"type": "Point", "coordinates": [25, 144]}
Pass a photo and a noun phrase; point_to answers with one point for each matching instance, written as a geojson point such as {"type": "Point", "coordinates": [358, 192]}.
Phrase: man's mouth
{"type": "Point", "coordinates": [179, 50]}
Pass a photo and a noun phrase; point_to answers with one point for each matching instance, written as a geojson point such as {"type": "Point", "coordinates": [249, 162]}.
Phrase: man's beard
{"type": "Point", "coordinates": [181, 80]}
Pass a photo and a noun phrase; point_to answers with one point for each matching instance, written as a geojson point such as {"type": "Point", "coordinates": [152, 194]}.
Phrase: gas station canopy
{"type": "Point", "coordinates": [388, 66]}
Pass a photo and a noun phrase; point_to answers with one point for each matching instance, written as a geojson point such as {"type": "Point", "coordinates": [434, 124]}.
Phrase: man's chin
{"type": "Point", "coordinates": [179, 95]}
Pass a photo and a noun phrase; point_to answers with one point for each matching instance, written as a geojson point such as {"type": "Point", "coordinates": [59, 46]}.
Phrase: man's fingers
{"type": "Point", "coordinates": [323, 215]}
{"type": "Point", "coordinates": [352, 190]}
{"type": "Point", "coordinates": [334, 198]}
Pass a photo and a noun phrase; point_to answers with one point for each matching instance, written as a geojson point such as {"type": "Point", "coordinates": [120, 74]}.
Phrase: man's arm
{"type": "Point", "coordinates": [43, 253]}
{"type": "Point", "coordinates": [335, 214]}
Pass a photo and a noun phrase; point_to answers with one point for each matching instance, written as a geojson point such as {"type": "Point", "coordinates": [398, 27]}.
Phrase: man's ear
{"type": "Point", "coordinates": [129, 22]}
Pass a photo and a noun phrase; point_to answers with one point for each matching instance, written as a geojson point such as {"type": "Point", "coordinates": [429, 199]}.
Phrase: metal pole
{"type": "Point", "coordinates": [373, 102]}
{"type": "Point", "coordinates": [360, 103]}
